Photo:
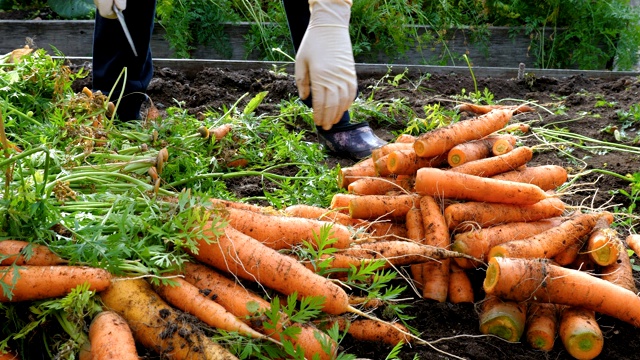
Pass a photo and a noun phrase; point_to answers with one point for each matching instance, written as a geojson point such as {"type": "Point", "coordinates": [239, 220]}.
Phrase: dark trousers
{"type": "Point", "coordinates": [111, 53]}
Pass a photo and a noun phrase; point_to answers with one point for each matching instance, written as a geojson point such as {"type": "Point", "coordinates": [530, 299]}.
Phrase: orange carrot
{"type": "Point", "coordinates": [469, 215]}
{"type": "Point", "coordinates": [405, 138]}
{"type": "Point", "coordinates": [380, 185]}
{"type": "Point", "coordinates": [620, 272]}
{"type": "Point", "coordinates": [453, 185]}
{"type": "Point", "coordinates": [407, 162]}
{"type": "Point", "coordinates": [542, 324]}
{"type": "Point", "coordinates": [441, 140]}
{"type": "Point", "coordinates": [30, 282]}
{"type": "Point", "coordinates": [518, 127]}
{"type": "Point", "coordinates": [388, 148]}
{"type": "Point", "coordinates": [371, 330]}
{"type": "Point", "coordinates": [480, 149]}
{"type": "Point", "coordinates": [633, 242]}
{"type": "Point", "coordinates": [460, 288]}
{"type": "Point", "coordinates": [323, 214]}
{"type": "Point", "coordinates": [340, 202]}
{"type": "Point", "coordinates": [250, 259]}
{"type": "Point", "coordinates": [381, 206]}
{"type": "Point", "coordinates": [551, 242]}
{"type": "Point", "coordinates": [580, 333]}
{"type": "Point", "coordinates": [503, 144]}
{"type": "Point", "coordinates": [359, 170]}
{"type": "Point", "coordinates": [505, 319]}
{"type": "Point", "coordinates": [228, 204]}
{"type": "Point", "coordinates": [111, 338]}
{"type": "Point", "coordinates": [189, 299]}
{"type": "Point", "coordinates": [494, 165]}
{"type": "Point", "coordinates": [284, 232]}
{"type": "Point", "coordinates": [386, 230]}
{"type": "Point", "coordinates": [381, 167]}
{"type": "Point", "coordinates": [24, 253]}
{"type": "Point", "coordinates": [547, 177]}
{"type": "Point", "coordinates": [602, 245]}
{"type": "Point", "coordinates": [570, 254]}
{"type": "Point", "coordinates": [478, 243]}
{"type": "Point", "coordinates": [219, 132]}
{"type": "Point", "coordinates": [415, 233]}
{"type": "Point", "coordinates": [435, 284]}
{"type": "Point", "coordinates": [247, 305]}
{"type": "Point", "coordinates": [483, 109]}
{"type": "Point", "coordinates": [539, 280]}
{"type": "Point", "coordinates": [9, 355]}
{"type": "Point", "coordinates": [158, 326]}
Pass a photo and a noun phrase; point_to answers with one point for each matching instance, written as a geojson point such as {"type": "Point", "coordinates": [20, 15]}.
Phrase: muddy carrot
{"type": "Point", "coordinates": [460, 288]}
{"type": "Point", "coordinates": [502, 318]}
{"type": "Point", "coordinates": [388, 148]}
{"type": "Point", "coordinates": [602, 244]}
{"type": "Point", "coordinates": [381, 185]}
{"type": "Point", "coordinates": [407, 162]}
{"type": "Point", "coordinates": [340, 202]}
{"type": "Point", "coordinates": [381, 167]}
{"type": "Point", "coordinates": [483, 109]}
{"type": "Point", "coordinates": [468, 215]}
{"type": "Point", "coordinates": [453, 185]}
{"type": "Point", "coordinates": [415, 233]}
{"type": "Point", "coordinates": [494, 165]}
{"type": "Point", "coordinates": [620, 272]}
{"type": "Point", "coordinates": [480, 149]}
{"type": "Point", "coordinates": [441, 140]}
{"type": "Point", "coordinates": [323, 214]}
{"type": "Point", "coordinates": [16, 251]}
{"type": "Point", "coordinates": [435, 282]}
{"type": "Point", "coordinates": [539, 280]}
{"type": "Point", "coordinates": [30, 282]}
{"type": "Point", "coordinates": [550, 242]}
{"type": "Point", "coordinates": [542, 325]}
{"type": "Point", "coordinates": [478, 243]}
{"type": "Point", "coordinates": [373, 207]}
{"type": "Point", "coordinates": [580, 333]}
{"type": "Point", "coordinates": [547, 177]}
{"type": "Point", "coordinates": [406, 138]}
{"type": "Point", "coordinates": [370, 330]}
{"type": "Point", "coordinates": [349, 174]}
{"type": "Point", "coordinates": [111, 338]}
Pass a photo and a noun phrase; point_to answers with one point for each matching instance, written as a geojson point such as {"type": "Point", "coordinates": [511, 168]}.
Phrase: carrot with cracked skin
{"type": "Point", "coordinates": [550, 242]}
{"type": "Point", "coordinates": [454, 185]}
{"type": "Point", "coordinates": [494, 165]}
{"type": "Point", "coordinates": [370, 330]}
{"type": "Point", "coordinates": [483, 109]}
{"type": "Point", "coordinates": [20, 252]}
{"type": "Point", "coordinates": [580, 333]}
{"type": "Point", "coordinates": [478, 243]}
{"type": "Point", "coordinates": [502, 318]}
{"type": "Point", "coordinates": [460, 288]}
{"type": "Point", "coordinates": [370, 207]}
{"type": "Point", "coordinates": [249, 259]}
{"type": "Point", "coordinates": [111, 338]}
{"type": "Point", "coordinates": [158, 326]}
{"type": "Point", "coordinates": [189, 299]}
{"type": "Point", "coordinates": [349, 174]}
{"type": "Point", "coordinates": [542, 324]}
{"type": "Point", "coordinates": [541, 281]}
{"type": "Point", "coordinates": [407, 162]}
{"type": "Point", "coordinates": [547, 177]}
{"type": "Point", "coordinates": [284, 232]}
{"type": "Point", "coordinates": [466, 216]}
{"type": "Point", "coordinates": [435, 284]}
{"type": "Point", "coordinates": [31, 282]}
{"type": "Point", "coordinates": [380, 185]}
{"type": "Point", "coordinates": [247, 305]}
{"type": "Point", "coordinates": [620, 272]}
{"type": "Point", "coordinates": [441, 140]}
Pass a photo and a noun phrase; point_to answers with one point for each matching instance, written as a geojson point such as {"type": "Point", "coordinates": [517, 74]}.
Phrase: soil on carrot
{"type": "Point", "coordinates": [582, 105]}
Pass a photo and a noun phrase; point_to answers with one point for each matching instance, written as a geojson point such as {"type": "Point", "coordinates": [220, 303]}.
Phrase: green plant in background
{"type": "Point", "coordinates": [68, 9]}
{"type": "Point", "coordinates": [268, 37]}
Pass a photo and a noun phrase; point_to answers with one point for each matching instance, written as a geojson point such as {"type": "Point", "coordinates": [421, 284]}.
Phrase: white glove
{"type": "Point", "coordinates": [324, 62]}
{"type": "Point", "coordinates": [105, 7]}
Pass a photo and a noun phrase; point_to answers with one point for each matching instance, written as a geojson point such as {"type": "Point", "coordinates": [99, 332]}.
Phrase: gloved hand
{"type": "Point", "coordinates": [324, 63]}
{"type": "Point", "coordinates": [105, 7]}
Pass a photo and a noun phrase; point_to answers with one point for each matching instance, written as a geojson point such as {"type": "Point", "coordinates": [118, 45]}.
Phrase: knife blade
{"type": "Point", "coordinates": [124, 28]}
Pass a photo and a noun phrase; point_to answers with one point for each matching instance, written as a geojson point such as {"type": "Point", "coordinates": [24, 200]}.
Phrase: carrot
{"type": "Point", "coordinates": [480, 149]}
{"type": "Point", "coordinates": [349, 174]}
{"type": "Point", "coordinates": [189, 299]}
{"type": "Point", "coordinates": [540, 281]}
{"type": "Point", "coordinates": [483, 109]}
{"type": "Point", "coordinates": [381, 206]}
{"type": "Point", "coordinates": [250, 259]}
{"type": "Point", "coordinates": [370, 330]}
{"type": "Point", "coordinates": [478, 243]}
{"type": "Point", "coordinates": [238, 301]}
{"type": "Point", "coordinates": [547, 177]}
{"type": "Point", "coordinates": [415, 233]}
{"type": "Point", "coordinates": [494, 165]}
{"type": "Point", "coordinates": [453, 185]}
{"type": "Point", "coordinates": [386, 230]}
{"type": "Point", "coordinates": [31, 282]}
{"type": "Point", "coordinates": [405, 138]}
{"type": "Point", "coordinates": [111, 338]}
{"type": "Point", "coordinates": [284, 232]}
{"type": "Point", "coordinates": [503, 144]}
{"type": "Point", "coordinates": [158, 326]}
{"type": "Point", "coordinates": [435, 283]}
{"type": "Point", "coordinates": [505, 319]}
{"type": "Point", "coordinates": [602, 245]}
{"type": "Point", "coordinates": [228, 204]}
{"type": "Point", "coordinates": [580, 333]}
{"type": "Point", "coordinates": [24, 253]}
{"type": "Point", "coordinates": [518, 127]}
{"type": "Point", "coordinates": [550, 242]}
{"type": "Point", "coordinates": [460, 288]}
{"type": "Point", "coordinates": [407, 162]}
{"type": "Point", "coordinates": [323, 214]}
{"type": "Point", "coordinates": [380, 185]}
{"type": "Point", "coordinates": [388, 148]}
{"type": "Point", "coordinates": [570, 254]}
{"type": "Point", "coordinates": [633, 242]}
{"type": "Point", "coordinates": [542, 324]}
{"type": "Point", "coordinates": [380, 165]}
{"type": "Point", "coordinates": [441, 140]}
{"type": "Point", "coordinates": [219, 132]}
{"type": "Point", "coordinates": [620, 272]}
{"type": "Point", "coordinates": [468, 215]}
{"type": "Point", "coordinates": [340, 202]}
{"type": "Point", "coordinates": [9, 355]}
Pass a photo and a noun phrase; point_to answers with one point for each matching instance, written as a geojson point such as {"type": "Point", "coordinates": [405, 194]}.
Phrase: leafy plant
{"type": "Point", "coordinates": [68, 9]}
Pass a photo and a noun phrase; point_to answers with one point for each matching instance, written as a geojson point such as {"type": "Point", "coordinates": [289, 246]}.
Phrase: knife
{"type": "Point", "coordinates": [124, 28]}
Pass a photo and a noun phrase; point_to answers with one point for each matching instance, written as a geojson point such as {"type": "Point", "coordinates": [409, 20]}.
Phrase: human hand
{"type": "Point", "coordinates": [324, 65]}
{"type": "Point", "coordinates": [105, 7]}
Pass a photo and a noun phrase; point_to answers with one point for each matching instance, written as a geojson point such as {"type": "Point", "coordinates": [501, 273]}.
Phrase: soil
{"type": "Point", "coordinates": [453, 328]}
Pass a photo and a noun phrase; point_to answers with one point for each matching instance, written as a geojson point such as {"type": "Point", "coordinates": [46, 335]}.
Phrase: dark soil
{"type": "Point", "coordinates": [455, 327]}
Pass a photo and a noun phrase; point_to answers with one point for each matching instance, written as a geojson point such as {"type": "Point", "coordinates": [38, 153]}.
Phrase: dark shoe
{"type": "Point", "coordinates": [355, 141]}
